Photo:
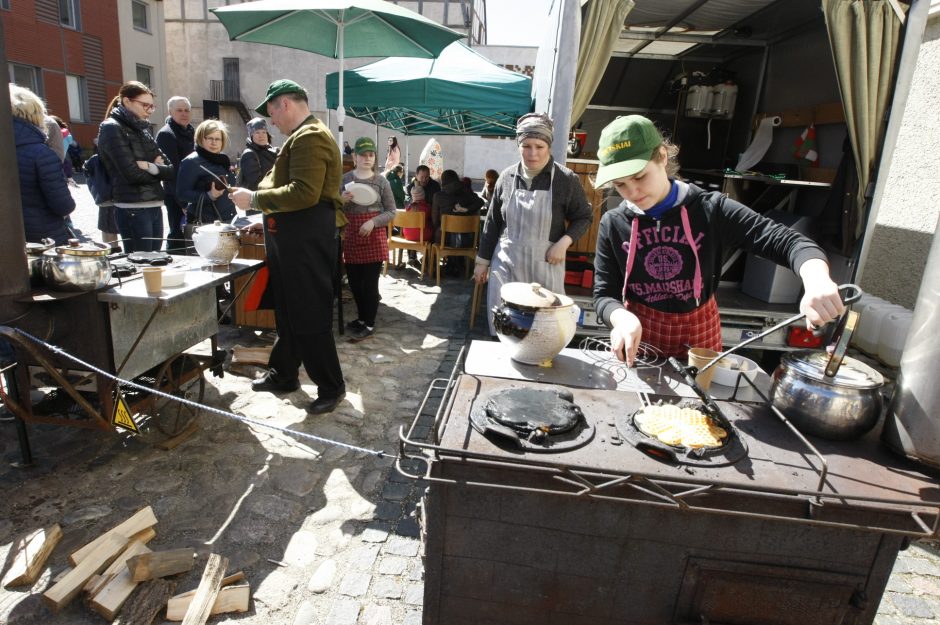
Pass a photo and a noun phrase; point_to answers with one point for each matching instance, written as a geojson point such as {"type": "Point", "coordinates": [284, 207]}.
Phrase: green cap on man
{"type": "Point", "coordinates": [275, 89]}
{"type": "Point", "coordinates": [625, 147]}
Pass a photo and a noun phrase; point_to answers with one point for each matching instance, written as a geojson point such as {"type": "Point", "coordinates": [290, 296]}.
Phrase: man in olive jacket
{"type": "Point", "coordinates": [300, 198]}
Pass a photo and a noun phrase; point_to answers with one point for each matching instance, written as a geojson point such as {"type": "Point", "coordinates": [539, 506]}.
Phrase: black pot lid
{"type": "Point", "coordinates": [853, 373]}
{"type": "Point", "coordinates": [532, 295]}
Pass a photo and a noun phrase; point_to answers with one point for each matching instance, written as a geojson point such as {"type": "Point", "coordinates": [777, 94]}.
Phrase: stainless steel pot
{"type": "Point", "coordinates": [77, 266]}
{"type": "Point", "coordinates": [838, 407]}
{"type": "Point", "coordinates": [34, 253]}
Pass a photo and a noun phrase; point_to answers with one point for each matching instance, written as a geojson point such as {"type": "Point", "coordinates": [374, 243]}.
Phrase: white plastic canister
{"type": "Point", "coordinates": [869, 330]}
{"type": "Point", "coordinates": [863, 307]}
{"type": "Point", "coordinates": [895, 326]}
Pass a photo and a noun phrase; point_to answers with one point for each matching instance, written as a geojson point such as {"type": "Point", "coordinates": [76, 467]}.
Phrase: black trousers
{"type": "Point", "coordinates": [317, 353]}
{"type": "Point", "coordinates": [301, 258]}
{"type": "Point", "coordinates": [364, 284]}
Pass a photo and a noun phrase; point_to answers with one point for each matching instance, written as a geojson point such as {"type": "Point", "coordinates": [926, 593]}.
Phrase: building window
{"type": "Point", "coordinates": [143, 74]}
{"type": "Point", "coordinates": [78, 98]}
{"type": "Point", "coordinates": [141, 15]}
{"type": "Point", "coordinates": [27, 76]}
{"type": "Point", "coordinates": [5, 4]}
{"type": "Point", "coordinates": [70, 14]}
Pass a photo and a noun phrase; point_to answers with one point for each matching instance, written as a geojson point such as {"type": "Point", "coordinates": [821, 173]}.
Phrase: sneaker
{"type": "Point", "coordinates": [355, 325]}
{"type": "Point", "coordinates": [270, 383]}
{"type": "Point", "coordinates": [362, 334]}
{"type": "Point", "coordinates": [323, 405]}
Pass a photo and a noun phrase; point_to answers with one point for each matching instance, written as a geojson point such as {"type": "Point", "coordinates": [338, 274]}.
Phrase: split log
{"type": "Point", "coordinates": [145, 605]}
{"type": "Point", "coordinates": [118, 586]}
{"type": "Point", "coordinates": [226, 581]}
{"type": "Point", "coordinates": [161, 564]}
{"type": "Point", "coordinates": [229, 599]}
{"type": "Point", "coordinates": [202, 602]}
{"type": "Point", "coordinates": [70, 585]}
{"type": "Point", "coordinates": [31, 552]}
{"type": "Point", "coordinates": [96, 582]}
{"type": "Point", "coordinates": [141, 520]}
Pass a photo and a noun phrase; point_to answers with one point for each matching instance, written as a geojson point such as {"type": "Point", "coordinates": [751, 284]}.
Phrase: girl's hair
{"type": "Point", "coordinates": [59, 121]}
{"type": "Point", "coordinates": [394, 142]}
{"type": "Point", "coordinates": [27, 106]}
{"type": "Point", "coordinates": [208, 127]}
{"type": "Point", "coordinates": [129, 90]}
{"type": "Point", "coordinates": [491, 175]}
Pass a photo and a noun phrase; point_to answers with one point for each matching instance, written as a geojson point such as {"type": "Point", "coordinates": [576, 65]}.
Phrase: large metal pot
{"type": "Point", "coordinates": [534, 323]}
{"type": "Point", "coordinates": [216, 242]}
{"type": "Point", "coordinates": [839, 407]}
{"type": "Point", "coordinates": [34, 253]}
{"type": "Point", "coordinates": [77, 266]}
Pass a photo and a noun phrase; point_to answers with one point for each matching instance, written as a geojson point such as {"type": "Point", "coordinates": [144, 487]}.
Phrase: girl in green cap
{"type": "Point", "coordinates": [659, 253]}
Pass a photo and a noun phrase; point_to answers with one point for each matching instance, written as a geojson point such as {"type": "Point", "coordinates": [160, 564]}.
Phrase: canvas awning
{"type": "Point", "coordinates": [458, 93]}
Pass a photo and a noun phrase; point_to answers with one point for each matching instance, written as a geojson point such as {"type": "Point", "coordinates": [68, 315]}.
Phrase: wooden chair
{"type": "Point", "coordinates": [456, 224]}
{"type": "Point", "coordinates": [407, 219]}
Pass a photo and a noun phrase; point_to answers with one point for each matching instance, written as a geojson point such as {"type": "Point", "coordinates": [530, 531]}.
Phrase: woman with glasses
{"type": "Point", "coordinates": [204, 176]}
{"type": "Point", "coordinates": [136, 167]}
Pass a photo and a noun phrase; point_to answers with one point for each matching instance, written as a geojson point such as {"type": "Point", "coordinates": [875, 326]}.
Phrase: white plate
{"type": "Point", "coordinates": [363, 194]}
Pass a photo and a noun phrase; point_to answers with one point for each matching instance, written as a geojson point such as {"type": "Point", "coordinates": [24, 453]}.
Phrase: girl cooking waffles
{"type": "Point", "coordinates": [658, 255]}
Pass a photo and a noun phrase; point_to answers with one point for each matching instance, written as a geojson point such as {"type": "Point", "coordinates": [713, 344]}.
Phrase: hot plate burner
{"type": "Point", "coordinates": [542, 420]}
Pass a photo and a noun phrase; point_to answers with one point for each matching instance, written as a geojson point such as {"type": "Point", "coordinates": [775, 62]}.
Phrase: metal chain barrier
{"type": "Point", "coordinates": [140, 387]}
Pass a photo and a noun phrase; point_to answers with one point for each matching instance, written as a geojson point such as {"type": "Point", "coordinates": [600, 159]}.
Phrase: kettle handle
{"type": "Point", "coordinates": [855, 293]}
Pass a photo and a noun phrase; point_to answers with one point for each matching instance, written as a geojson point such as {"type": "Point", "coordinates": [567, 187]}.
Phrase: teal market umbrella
{"type": "Point", "coordinates": [337, 29]}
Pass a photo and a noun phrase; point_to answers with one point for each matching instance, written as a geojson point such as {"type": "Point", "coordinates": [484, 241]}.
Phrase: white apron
{"type": "Point", "coordinates": [520, 256]}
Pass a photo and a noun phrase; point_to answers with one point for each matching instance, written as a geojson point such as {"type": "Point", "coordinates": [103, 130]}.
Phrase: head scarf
{"type": "Point", "coordinates": [535, 126]}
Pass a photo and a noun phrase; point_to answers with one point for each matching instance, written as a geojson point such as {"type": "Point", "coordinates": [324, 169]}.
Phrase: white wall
{"type": "Point", "coordinates": [907, 215]}
{"type": "Point", "coordinates": [145, 48]}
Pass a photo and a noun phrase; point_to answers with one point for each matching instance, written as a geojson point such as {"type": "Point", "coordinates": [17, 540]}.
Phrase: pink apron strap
{"type": "Point", "coordinates": [630, 249]}
{"type": "Point", "coordinates": [697, 280]}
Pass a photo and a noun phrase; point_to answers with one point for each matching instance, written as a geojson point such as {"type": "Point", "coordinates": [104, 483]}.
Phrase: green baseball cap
{"type": "Point", "coordinates": [276, 88]}
{"type": "Point", "coordinates": [625, 147]}
{"type": "Point", "coordinates": [364, 144]}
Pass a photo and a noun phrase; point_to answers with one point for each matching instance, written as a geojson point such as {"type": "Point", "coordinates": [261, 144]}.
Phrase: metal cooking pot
{"type": "Point", "coordinates": [34, 253]}
{"type": "Point", "coordinates": [533, 322]}
{"type": "Point", "coordinates": [838, 407]}
{"type": "Point", "coordinates": [77, 266]}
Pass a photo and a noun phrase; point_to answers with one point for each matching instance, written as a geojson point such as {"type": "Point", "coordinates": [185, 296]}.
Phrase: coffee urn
{"type": "Point", "coordinates": [912, 424]}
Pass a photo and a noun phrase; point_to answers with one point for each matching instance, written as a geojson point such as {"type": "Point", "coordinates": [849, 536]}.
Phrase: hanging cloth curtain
{"type": "Point", "coordinates": [865, 37]}
{"type": "Point", "coordinates": [599, 34]}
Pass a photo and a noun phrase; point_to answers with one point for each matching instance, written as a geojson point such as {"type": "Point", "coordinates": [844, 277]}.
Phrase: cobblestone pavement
{"type": "Point", "coordinates": [325, 535]}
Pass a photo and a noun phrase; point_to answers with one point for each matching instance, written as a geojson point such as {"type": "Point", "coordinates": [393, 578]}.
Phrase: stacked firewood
{"type": "Point", "coordinates": [115, 564]}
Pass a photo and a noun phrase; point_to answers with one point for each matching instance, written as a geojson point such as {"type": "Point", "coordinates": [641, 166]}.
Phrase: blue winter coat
{"type": "Point", "coordinates": [44, 191]}
{"type": "Point", "coordinates": [192, 182]}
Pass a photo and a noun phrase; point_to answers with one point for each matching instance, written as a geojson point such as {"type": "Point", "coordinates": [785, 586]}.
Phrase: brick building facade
{"type": "Point", "coordinates": [69, 51]}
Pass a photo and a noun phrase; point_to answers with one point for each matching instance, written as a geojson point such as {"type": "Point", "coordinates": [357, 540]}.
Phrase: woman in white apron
{"type": "Point", "coordinates": [538, 210]}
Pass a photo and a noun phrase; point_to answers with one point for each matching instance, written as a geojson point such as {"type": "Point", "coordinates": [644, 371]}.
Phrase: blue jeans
{"type": "Point", "coordinates": [141, 228]}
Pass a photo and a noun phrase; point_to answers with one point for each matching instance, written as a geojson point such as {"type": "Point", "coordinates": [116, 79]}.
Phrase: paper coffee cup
{"type": "Point", "coordinates": [153, 279]}
{"type": "Point", "coordinates": [698, 358]}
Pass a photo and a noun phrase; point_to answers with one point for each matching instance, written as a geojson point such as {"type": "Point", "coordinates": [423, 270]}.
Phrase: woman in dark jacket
{"type": "Point", "coordinates": [43, 190]}
{"type": "Point", "coordinates": [258, 158]}
{"type": "Point", "coordinates": [136, 166]}
{"type": "Point", "coordinates": [201, 191]}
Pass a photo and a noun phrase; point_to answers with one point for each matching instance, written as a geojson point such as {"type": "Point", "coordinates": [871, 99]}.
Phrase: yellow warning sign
{"type": "Point", "coordinates": [122, 415]}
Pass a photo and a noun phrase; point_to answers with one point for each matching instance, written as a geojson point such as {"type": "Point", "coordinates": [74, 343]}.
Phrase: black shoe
{"type": "Point", "coordinates": [362, 334]}
{"type": "Point", "coordinates": [355, 325]}
{"type": "Point", "coordinates": [323, 405]}
{"type": "Point", "coordinates": [271, 384]}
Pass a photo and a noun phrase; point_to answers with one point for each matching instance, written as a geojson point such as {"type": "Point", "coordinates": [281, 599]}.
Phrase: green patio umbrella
{"type": "Point", "coordinates": [337, 29]}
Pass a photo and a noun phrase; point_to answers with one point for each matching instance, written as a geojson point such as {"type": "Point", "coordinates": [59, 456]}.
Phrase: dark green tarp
{"type": "Point", "coordinates": [458, 93]}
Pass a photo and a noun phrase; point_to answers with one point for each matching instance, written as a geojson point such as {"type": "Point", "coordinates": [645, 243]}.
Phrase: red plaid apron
{"type": "Point", "coordinates": [359, 250]}
{"type": "Point", "coordinates": [672, 332]}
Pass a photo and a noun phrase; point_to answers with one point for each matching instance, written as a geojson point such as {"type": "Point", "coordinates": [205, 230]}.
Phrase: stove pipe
{"type": "Point", "coordinates": [912, 426]}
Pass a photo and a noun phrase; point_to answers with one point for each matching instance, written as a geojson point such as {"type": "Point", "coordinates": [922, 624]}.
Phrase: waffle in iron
{"type": "Point", "coordinates": [680, 426]}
